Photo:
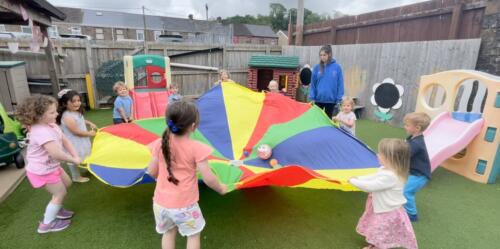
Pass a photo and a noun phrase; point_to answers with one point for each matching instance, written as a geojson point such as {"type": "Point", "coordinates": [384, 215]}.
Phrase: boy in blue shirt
{"type": "Point", "coordinates": [420, 165]}
{"type": "Point", "coordinates": [174, 93]}
{"type": "Point", "coordinates": [123, 106]}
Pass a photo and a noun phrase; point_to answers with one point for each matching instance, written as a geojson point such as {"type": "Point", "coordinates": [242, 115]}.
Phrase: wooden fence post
{"type": "Point", "coordinates": [90, 67]}
{"type": "Point", "coordinates": [51, 63]}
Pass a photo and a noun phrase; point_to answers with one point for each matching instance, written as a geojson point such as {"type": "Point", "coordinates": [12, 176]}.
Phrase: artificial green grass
{"type": "Point", "coordinates": [454, 212]}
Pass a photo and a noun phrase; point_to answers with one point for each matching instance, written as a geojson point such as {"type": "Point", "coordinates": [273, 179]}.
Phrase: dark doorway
{"type": "Point", "coordinates": [263, 78]}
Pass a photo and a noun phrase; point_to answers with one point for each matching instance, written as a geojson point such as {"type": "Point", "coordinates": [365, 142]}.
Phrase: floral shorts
{"type": "Point", "coordinates": [189, 220]}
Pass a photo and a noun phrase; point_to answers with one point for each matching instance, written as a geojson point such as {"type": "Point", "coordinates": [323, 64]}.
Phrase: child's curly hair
{"type": "Point", "coordinates": [33, 108]}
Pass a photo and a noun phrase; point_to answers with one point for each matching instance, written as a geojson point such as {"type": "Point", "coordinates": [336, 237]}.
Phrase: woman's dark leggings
{"type": "Point", "coordinates": [330, 109]}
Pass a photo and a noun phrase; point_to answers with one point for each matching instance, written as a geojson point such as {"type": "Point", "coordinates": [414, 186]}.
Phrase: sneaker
{"type": "Point", "coordinates": [54, 226]}
{"type": "Point", "coordinates": [81, 179]}
{"type": "Point", "coordinates": [413, 217]}
{"type": "Point", "coordinates": [64, 214]}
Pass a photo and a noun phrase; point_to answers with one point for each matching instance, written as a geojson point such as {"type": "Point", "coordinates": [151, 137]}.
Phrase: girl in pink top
{"type": "Point", "coordinates": [45, 151]}
{"type": "Point", "coordinates": [176, 159]}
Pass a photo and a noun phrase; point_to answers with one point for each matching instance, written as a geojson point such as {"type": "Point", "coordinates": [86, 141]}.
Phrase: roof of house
{"type": "Point", "coordinates": [241, 29]}
{"type": "Point", "coordinates": [282, 33]}
{"type": "Point", "coordinates": [100, 18]}
{"type": "Point", "coordinates": [274, 61]}
{"type": "Point", "coordinates": [46, 8]}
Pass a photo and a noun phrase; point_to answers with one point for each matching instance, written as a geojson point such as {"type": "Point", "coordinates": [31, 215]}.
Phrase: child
{"type": "Point", "coordinates": [346, 117]}
{"type": "Point", "coordinates": [123, 106]}
{"type": "Point", "coordinates": [74, 127]}
{"type": "Point", "coordinates": [274, 87]}
{"type": "Point", "coordinates": [176, 158]}
{"type": "Point", "coordinates": [46, 149]}
{"type": "Point", "coordinates": [174, 93]}
{"type": "Point", "coordinates": [420, 165]}
{"type": "Point", "coordinates": [385, 223]}
{"type": "Point", "coordinates": [224, 76]}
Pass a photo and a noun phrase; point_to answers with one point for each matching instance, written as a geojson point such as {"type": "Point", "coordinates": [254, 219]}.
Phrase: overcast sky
{"type": "Point", "coordinates": [225, 8]}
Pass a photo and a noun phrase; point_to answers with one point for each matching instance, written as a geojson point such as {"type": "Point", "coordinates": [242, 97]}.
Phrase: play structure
{"type": "Point", "coordinates": [463, 136]}
{"type": "Point", "coordinates": [283, 69]}
{"type": "Point", "coordinates": [258, 139]}
{"type": "Point", "coordinates": [147, 77]}
{"type": "Point", "coordinates": [10, 132]}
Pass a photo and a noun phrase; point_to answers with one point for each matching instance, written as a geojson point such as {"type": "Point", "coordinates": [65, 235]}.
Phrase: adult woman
{"type": "Point", "coordinates": [327, 85]}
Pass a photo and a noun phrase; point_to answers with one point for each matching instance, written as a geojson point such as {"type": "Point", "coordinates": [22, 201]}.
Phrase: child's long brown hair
{"type": "Point", "coordinates": [327, 49]}
{"type": "Point", "coordinates": [180, 117]}
{"type": "Point", "coordinates": [397, 153]}
{"type": "Point", "coordinates": [63, 104]}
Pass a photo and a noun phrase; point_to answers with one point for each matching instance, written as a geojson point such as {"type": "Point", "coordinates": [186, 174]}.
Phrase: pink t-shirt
{"type": "Point", "coordinates": [39, 160]}
{"type": "Point", "coordinates": [185, 153]}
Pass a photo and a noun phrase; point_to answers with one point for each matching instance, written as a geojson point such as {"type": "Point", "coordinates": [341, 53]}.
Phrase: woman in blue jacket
{"type": "Point", "coordinates": [327, 84]}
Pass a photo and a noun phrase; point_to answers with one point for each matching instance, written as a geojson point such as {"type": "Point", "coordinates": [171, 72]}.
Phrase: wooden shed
{"type": "Point", "coordinates": [283, 69]}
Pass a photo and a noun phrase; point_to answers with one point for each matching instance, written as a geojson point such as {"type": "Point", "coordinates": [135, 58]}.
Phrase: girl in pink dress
{"type": "Point", "coordinates": [385, 223]}
{"type": "Point", "coordinates": [47, 147]}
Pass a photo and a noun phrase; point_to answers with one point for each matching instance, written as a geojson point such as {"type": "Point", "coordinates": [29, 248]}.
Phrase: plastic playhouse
{"type": "Point", "coordinates": [147, 76]}
{"type": "Point", "coordinates": [463, 136]}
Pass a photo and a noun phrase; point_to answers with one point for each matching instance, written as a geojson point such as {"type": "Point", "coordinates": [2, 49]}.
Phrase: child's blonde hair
{"type": "Point", "coordinates": [173, 85]}
{"type": "Point", "coordinates": [117, 85]}
{"type": "Point", "coordinates": [222, 71]}
{"type": "Point", "coordinates": [33, 108]}
{"type": "Point", "coordinates": [396, 152]}
{"type": "Point", "coordinates": [272, 82]}
{"type": "Point", "coordinates": [348, 100]}
{"type": "Point", "coordinates": [418, 119]}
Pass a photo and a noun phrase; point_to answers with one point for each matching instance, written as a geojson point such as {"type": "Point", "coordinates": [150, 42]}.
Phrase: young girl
{"type": "Point", "coordinates": [346, 117]}
{"type": "Point", "coordinates": [74, 127]}
{"type": "Point", "coordinates": [176, 158]}
{"type": "Point", "coordinates": [224, 76]}
{"type": "Point", "coordinates": [46, 149]}
{"type": "Point", "coordinates": [385, 223]}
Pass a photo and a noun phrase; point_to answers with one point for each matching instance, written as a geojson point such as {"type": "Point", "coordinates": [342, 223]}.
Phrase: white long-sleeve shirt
{"type": "Point", "coordinates": [386, 189]}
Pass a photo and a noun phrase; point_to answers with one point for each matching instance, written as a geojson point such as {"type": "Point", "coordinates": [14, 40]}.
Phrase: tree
{"type": "Point", "coordinates": [278, 17]}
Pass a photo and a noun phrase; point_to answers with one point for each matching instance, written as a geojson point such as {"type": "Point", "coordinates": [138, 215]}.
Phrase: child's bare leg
{"type": "Point", "coordinates": [66, 180]}
{"type": "Point", "coordinates": [193, 241]}
{"type": "Point", "coordinates": [58, 191]}
{"type": "Point", "coordinates": [168, 239]}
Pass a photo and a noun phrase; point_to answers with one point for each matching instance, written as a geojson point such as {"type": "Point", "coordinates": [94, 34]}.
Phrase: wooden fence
{"type": "Point", "coordinates": [426, 21]}
{"type": "Point", "coordinates": [75, 58]}
{"type": "Point", "coordinates": [366, 64]}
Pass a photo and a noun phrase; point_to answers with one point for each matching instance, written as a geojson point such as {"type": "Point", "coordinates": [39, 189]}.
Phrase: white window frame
{"type": "Point", "coordinates": [53, 31]}
{"type": "Point", "coordinates": [26, 28]}
{"type": "Point", "coordinates": [99, 34]}
{"type": "Point", "coordinates": [157, 34]}
{"type": "Point", "coordinates": [140, 32]}
{"type": "Point", "coordinates": [76, 30]}
{"type": "Point", "coordinates": [120, 34]}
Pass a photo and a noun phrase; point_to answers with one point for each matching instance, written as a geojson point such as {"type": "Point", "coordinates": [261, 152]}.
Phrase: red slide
{"type": "Point", "coordinates": [149, 104]}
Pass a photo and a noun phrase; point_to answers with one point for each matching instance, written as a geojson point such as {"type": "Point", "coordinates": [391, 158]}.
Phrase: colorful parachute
{"type": "Point", "coordinates": [312, 151]}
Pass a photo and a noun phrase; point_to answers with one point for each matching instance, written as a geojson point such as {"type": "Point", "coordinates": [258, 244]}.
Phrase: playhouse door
{"type": "Point", "coordinates": [263, 78]}
{"type": "Point", "coordinates": [155, 77]}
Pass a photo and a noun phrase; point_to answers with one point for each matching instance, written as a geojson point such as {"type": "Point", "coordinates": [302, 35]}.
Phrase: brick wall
{"type": "Point", "coordinates": [489, 53]}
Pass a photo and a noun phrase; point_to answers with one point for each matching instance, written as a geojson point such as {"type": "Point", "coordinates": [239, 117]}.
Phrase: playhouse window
{"type": "Point", "coordinates": [283, 82]}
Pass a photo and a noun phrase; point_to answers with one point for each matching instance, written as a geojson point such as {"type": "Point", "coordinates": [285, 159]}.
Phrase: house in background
{"type": "Point", "coordinates": [254, 34]}
{"type": "Point", "coordinates": [115, 26]}
{"type": "Point", "coordinates": [282, 37]}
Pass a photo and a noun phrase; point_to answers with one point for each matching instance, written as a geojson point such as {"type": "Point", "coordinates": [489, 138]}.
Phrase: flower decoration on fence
{"type": "Point", "coordinates": [386, 96]}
